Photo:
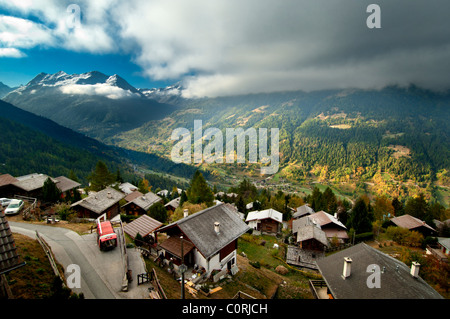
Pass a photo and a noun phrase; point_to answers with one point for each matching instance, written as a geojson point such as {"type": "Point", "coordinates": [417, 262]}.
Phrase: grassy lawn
{"type": "Point", "coordinates": [35, 279]}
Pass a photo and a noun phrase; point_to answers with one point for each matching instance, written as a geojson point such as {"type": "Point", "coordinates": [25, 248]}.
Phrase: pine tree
{"type": "Point", "coordinates": [199, 191]}
{"type": "Point", "coordinates": [73, 176]}
{"type": "Point", "coordinates": [119, 178]}
{"type": "Point", "coordinates": [101, 177]}
{"type": "Point", "coordinates": [183, 198]}
{"type": "Point", "coordinates": [158, 212]}
{"type": "Point", "coordinates": [50, 192]}
{"type": "Point", "coordinates": [360, 218]}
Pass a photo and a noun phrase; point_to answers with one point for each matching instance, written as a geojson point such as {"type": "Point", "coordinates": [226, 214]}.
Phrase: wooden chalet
{"type": "Point", "coordinates": [96, 204]}
{"type": "Point", "coordinates": [6, 187]}
{"type": "Point", "coordinates": [268, 221]}
{"type": "Point", "coordinates": [209, 239]}
{"type": "Point", "coordinates": [145, 226]}
{"type": "Point", "coordinates": [66, 185]}
{"type": "Point", "coordinates": [309, 235]}
{"type": "Point", "coordinates": [141, 204]}
{"type": "Point", "coordinates": [173, 204]}
{"type": "Point", "coordinates": [31, 185]}
{"type": "Point", "coordinates": [332, 227]}
{"type": "Point", "coordinates": [412, 223]}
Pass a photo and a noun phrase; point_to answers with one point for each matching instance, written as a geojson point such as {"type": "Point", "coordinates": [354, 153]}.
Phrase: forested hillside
{"type": "Point", "coordinates": [391, 136]}
{"type": "Point", "coordinates": [32, 143]}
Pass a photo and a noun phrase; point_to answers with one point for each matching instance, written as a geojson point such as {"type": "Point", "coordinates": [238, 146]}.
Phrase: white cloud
{"type": "Point", "coordinates": [22, 33]}
{"type": "Point", "coordinates": [102, 89]}
{"type": "Point", "coordinates": [11, 53]}
{"type": "Point", "coordinates": [50, 23]}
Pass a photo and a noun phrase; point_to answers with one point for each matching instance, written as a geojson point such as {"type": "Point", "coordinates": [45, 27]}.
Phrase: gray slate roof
{"type": "Point", "coordinates": [99, 202]}
{"type": "Point", "coordinates": [9, 258]}
{"type": "Point", "coordinates": [143, 225]}
{"type": "Point", "coordinates": [445, 242]}
{"type": "Point", "coordinates": [145, 201]}
{"type": "Point", "coordinates": [174, 202]}
{"type": "Point", "coordinates": [64, 184]}
{"type": "Point", "coordinates": [303, 210]}
{"type": "Point", "coordinates": [410, 222]}
{"type": "Point", "coordinates": [395, 283]}
{"type": "Point", "coordinates": [32, 182]}
{"type": "Point", "coordinates": [306, 229]}
{"type": "Point", "coordinates": [199, 227]}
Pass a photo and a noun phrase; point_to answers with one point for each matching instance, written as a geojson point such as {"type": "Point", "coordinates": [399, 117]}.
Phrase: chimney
{"type": "Point", "coordinates": [217, 227]}
{"type": "Point", "coordinates": [415, 267]}
{"type": "Point", "coordinates": [109, 195]}
{"type": "Point", "coordinates": [347, 267]}
{"type": "Point", "coordinates": [186, 213]}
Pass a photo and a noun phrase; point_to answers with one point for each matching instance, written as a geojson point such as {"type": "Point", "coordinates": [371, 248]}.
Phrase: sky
{"type": "Point", "coordinates": [228, 47]}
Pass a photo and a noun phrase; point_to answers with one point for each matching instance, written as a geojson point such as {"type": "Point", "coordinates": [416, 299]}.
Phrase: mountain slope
{"type": "Point", "coordinates": [34, 143]}
{"type": "Point", "coordinates": [334, 135]}
{"type": "Point", "coordinates": [92, 103]}
{"type": "Point", "coordinates": [4, 89]}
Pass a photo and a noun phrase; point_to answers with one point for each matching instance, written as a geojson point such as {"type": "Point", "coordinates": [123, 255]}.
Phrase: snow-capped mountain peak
{"type": "Point", "coordinates": [90, 83]}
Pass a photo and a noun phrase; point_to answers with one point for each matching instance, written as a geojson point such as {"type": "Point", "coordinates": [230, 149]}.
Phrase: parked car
{"type": "Point", "coordinates": [14, 207]}
{"type": "Point", "coordinates": [5, 202]}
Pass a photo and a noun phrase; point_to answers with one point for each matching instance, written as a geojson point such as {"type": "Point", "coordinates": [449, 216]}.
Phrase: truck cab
{"type": "Point", "coordinates": [106, 237]}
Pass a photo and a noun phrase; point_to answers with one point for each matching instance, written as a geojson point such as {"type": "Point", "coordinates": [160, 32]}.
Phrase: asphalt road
{"type": "Point", "coordinates": [102, 273]}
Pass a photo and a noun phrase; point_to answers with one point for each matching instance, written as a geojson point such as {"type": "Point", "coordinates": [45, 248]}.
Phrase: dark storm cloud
{"type": "Point", "coordinates": [227, 46]}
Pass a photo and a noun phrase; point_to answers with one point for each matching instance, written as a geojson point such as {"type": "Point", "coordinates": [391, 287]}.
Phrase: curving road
{"type": "Point", "coordinates": [102, 273]}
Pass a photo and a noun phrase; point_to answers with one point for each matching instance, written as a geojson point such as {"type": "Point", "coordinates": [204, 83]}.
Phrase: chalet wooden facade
{"type": "Point", "coordinates": [31, 185]}
{"type": "Point", "coordinates": [97, 204]}
{"type": "Point", "coordinates": [141, 204]}
{"type": "Point", "coordinates": [207, 239]}
{"type": "Point", "coordinates": [268, 221]}
{"type": "Point", "coordinates": [412, 223]}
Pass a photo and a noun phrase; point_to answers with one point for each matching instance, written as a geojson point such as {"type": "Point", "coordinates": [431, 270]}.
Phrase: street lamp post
{"type": "Point", "coordinates": [182, 269]}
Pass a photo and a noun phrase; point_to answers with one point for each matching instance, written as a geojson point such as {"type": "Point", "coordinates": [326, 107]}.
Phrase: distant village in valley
{"type": "Point", "coordinates": [201, 243]}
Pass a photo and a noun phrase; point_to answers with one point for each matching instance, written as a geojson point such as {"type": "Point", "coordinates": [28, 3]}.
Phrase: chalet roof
{"type": "Point", "coordinates": [145, 201]}
{"type": "Point", "coordinates": [396, 280]}
{"type": "Point", "coordinates": [64, 184]}
{"type": "Point", "coordinates": [264, 214]}
{"type": "Point", "coordinates": [302, 222]}
{"type": "Point", "coordinates": [303, 211]}
{"type": "Point", "coordinates": [32, 182]}
{"type": "Point", "coordinates": [173, 244]}
{"type": "Point", "coordinates": [99, 202]}
{"type": "Point", "coordinates": [312, 232]}
{"type": "Point", "coordinates": [306, 229]}
{"type": "Point", "coordinates": [130, 197]}
{"type": "Point", "coordinates": [323, 218]}
{"type": "Point", "coordinates": [445, 242]}
{"type": "Point", "coordinates": [9, 258]}
{"type": "Point", "coordinates": [410, 222]}
{"type": "Point", "coordinates": [336, 232]}
{"type": "Point", "coordinates": [127, 188]}
{"type": "Point", "coordinates": [174, 203]}
{"type": "Point", "coordinates": [199, 228]}
{"type": "Point", "coordinates": [143, 225]}
{"type": "Point", "coordinates": [7, 179]}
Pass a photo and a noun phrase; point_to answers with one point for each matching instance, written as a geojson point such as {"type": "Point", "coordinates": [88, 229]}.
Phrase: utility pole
{"type": "Point", "coordinates": [182, 269]}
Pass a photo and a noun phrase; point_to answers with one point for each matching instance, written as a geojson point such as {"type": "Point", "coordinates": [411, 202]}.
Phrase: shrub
{"type": "Point", "coordinates": [63, 210]}
{"type": "Point", "coordinates": [404, 236]}
{"type": "Point", "coordinates": [363, 236]}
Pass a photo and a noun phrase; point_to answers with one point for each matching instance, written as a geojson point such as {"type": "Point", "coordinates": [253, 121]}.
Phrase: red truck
{"type": "Point", "coordinates": [106, 237]}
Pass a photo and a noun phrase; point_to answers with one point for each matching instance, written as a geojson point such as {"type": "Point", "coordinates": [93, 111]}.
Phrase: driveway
{"type": "Point", "coordinates": [102, 273]}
